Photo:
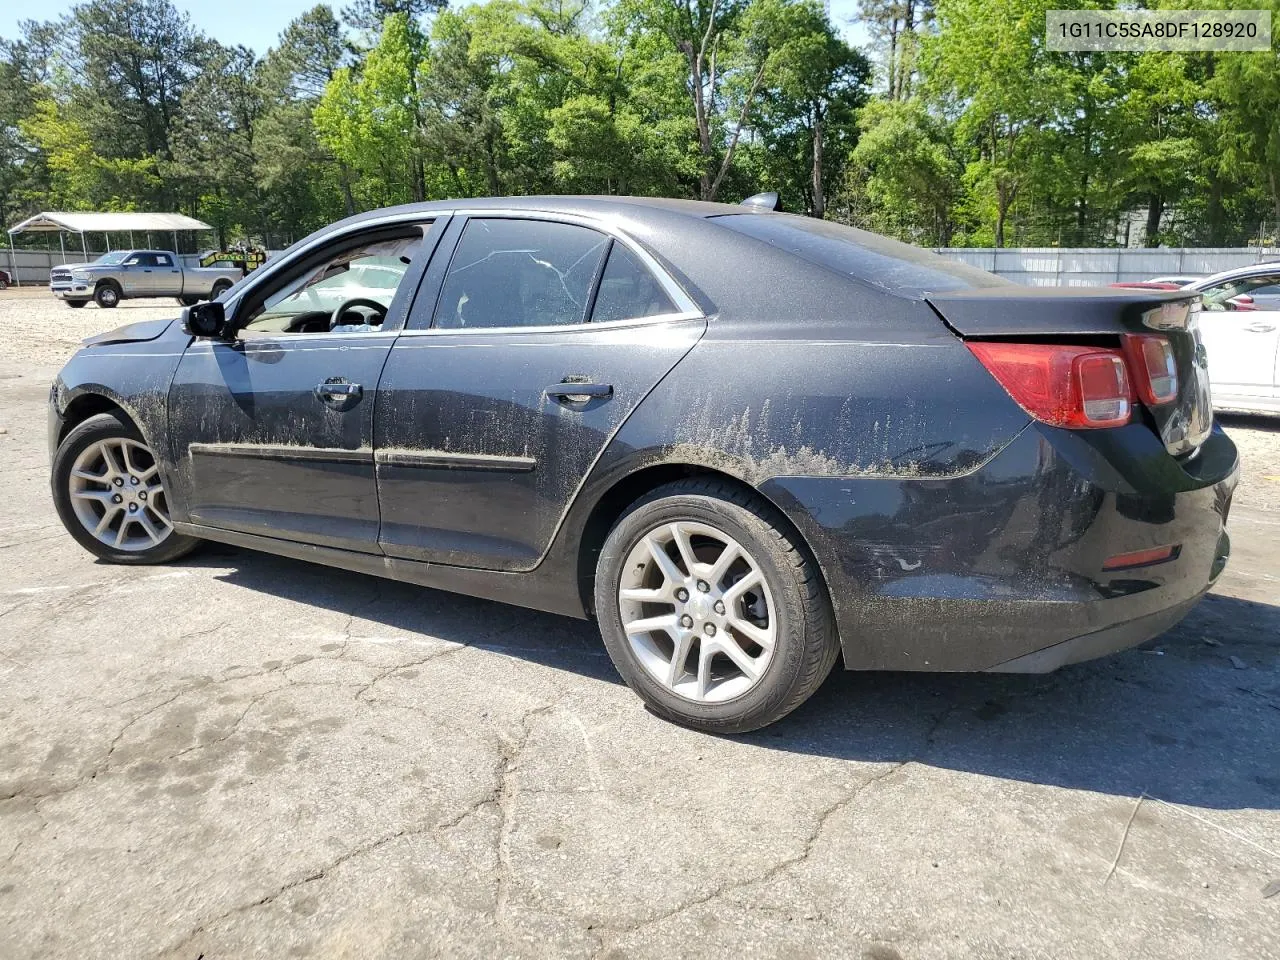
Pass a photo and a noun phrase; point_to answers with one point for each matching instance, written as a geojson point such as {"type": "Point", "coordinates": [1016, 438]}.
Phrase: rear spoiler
{"type": "Point", "coordinates": [1009, 311]}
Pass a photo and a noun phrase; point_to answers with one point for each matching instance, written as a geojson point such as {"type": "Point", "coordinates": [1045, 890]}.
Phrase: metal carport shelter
{"type": "Point", "coordinates": [107, 223]}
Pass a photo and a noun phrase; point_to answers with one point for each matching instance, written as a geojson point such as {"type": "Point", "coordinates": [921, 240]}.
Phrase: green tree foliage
{"type": "Point", "coordinates": [904, 177]}
{"type": "Point", "coordinates": [812, 88]}
{"type": "Point", "coordinates": [370, 120]}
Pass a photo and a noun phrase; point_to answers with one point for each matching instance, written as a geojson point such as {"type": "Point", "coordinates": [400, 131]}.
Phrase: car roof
{"type": "Point", "coordinates": [568, 204]}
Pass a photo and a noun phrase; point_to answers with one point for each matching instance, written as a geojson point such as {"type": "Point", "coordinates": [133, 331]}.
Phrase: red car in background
{"type": "Point", "coordinates": [1146, 285]}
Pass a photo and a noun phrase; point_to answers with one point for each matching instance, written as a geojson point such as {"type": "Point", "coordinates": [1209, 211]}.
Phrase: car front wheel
{"type": "Point", "coordinates": [712, 610]}
{"type": "Point", "coordinates": [109, 495]}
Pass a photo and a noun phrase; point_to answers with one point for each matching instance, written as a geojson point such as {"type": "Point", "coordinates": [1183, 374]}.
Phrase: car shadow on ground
{"type": "Point", "coordinates": [1192, 718]}
{"type": "Point", "coordinates": [1248, 421]}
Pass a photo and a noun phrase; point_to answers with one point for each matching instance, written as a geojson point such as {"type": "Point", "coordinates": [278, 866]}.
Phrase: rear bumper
{"type": "Point", "coordinates": [1100, 643]}
{"type": "Point", "coordinates": [1002, 568]}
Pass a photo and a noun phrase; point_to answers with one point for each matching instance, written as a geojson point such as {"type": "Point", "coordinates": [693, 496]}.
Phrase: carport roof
{"type": "Point", "coordinates": [102, 222]}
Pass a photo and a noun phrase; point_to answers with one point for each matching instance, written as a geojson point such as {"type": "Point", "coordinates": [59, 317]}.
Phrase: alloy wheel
{"type": "Point", "coordinates": [117, 495]}
{"type": "Point", "coordinates": [697, 611]}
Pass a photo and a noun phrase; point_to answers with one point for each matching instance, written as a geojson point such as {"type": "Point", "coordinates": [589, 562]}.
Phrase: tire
{"type": "Point", "coordinates": [82, 502]}
{"type": "Point", "coordinates": [75, 304]}
{"type": "Point", "coordinates": [107, 296]}
{"type": "Point", "coordinates": [219, 288]}
{"type": "Point", "coordinates": [188, 301]}
{"type": "Point", "coordinates": [801, 647]}
{"type": "Point", "coordinates": [4, 284]}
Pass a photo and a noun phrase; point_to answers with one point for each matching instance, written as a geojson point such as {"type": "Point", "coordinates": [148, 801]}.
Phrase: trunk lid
{"type": "Point", "coordinates": [1047, 314]}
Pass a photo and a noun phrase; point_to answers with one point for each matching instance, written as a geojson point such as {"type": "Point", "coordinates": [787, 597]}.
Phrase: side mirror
{"type": "Point", "coordinates": [208, 319]}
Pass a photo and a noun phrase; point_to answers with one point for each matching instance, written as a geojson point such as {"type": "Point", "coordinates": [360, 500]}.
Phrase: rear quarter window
{"type": "Point", "coordinates": [628, 291]}
{"type": "Point", "coordinates": [890, 265]}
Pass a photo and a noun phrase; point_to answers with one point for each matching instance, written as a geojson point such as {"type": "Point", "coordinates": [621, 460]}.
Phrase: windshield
{"type": "Point", "coordinates": [116, 257]}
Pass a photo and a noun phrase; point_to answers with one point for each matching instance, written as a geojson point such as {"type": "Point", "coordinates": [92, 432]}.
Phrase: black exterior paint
{"type": "Point", "coordinates": [482, 393]}
{"type": "Point", "coordinates": [953, 532]}
{"type": "Point", "coordinates": [262, 392]}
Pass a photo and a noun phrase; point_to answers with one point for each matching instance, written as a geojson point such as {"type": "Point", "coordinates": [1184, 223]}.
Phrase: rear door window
{"type": "Point", "coordinates": [628, 291]}
{"type": "Point", "coordinates": [520, 273]}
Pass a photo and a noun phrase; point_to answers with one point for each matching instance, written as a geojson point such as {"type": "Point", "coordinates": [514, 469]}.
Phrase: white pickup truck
{"type": "Point", "coordinates": [126, 274]}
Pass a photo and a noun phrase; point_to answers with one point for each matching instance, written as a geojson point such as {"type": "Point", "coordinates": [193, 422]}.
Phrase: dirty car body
{"type": "Point", "coordinates": [836, 376]}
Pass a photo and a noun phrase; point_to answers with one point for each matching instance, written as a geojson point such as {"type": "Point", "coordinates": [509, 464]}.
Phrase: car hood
{"type": "Point", "coordinates": [81, 266]}
{"type": "Point", "coordinates": [138, 332]}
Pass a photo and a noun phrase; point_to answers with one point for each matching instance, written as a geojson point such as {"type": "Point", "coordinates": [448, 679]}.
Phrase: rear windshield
{"type": "Point", "coordinates": [899, 268]}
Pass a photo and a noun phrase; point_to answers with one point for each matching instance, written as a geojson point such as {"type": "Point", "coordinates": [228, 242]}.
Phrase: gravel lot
{"type": "Point", "coordinates": [243, 756]}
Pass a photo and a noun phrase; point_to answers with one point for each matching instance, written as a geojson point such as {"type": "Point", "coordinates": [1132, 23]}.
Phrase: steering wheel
{"type": "Point", "coordinates": [335, 319]}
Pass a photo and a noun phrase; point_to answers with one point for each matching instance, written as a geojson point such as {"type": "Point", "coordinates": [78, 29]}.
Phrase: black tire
{"type": "Point", "coordinates": [105, 426]}
{"type": "Point", "coordinates": [806, 647]}
{"type": "Point", "coordinates": [107, 295]}
{"type": "Point", "coordinates": [189, 301]}
{"type": "Point", "coordinates": [77, 304]}
{"type": "Point", "coordinates": [219, 288]}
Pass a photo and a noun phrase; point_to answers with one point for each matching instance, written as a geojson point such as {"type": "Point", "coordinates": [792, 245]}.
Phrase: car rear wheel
{"type": "Point", "coordinates": [712, 610]}
{"type": "Point", "coordinates": [109, 495]}
{"type": "Point", "coordinates": [107, 296]}
{"type": "Point", "coordinates": [219, 288]}
{"type": "Point", "coordinates": [75, 303]}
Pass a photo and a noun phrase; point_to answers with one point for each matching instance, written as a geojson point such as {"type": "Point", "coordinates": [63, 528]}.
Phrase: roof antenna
{"type": "Point", "coordinates": [763, 201]}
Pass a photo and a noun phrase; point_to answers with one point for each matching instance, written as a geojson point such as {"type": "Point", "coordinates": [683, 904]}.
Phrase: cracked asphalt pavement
{"type": "Point", "coordinates": [244, 756]}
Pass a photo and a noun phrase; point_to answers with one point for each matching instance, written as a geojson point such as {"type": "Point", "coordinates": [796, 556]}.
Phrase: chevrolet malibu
{"type": "Point", "coordinates": [748, 444]}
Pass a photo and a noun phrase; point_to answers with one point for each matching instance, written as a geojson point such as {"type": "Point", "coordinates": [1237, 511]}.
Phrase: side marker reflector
{"type": "Point", "coordinates": [1142, 558]}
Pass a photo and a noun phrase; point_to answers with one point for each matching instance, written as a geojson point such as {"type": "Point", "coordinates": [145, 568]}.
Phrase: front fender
{"type": "Point", "coordinates": [135, 376]}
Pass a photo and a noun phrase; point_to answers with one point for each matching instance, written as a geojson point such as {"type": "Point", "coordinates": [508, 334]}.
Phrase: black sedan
{"type": "Point", "coordinates": [747, 443]}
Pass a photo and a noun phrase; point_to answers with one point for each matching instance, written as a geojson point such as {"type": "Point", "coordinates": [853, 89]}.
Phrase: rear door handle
{"type": "Point", "coordinates": [332, 390]}
{"type": "Point", "coordinates": [574, 391]}
{"type": "Point", "coordinates": [1260, 327]}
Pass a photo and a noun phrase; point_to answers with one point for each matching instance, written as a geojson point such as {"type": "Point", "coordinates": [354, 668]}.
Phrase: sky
{"type": "Point", "coordinates": [258, 23]}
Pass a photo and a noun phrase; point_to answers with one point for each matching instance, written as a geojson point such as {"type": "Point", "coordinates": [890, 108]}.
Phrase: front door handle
{"type": "Point", "coordinates": [1260, 327]}
{"type": "Point", "coordinates": [332, 390]}
{"type": "Point", "coordinates": [579, 391]}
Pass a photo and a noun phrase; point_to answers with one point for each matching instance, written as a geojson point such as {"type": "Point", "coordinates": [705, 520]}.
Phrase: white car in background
{"type": "Point", "coordinates": [1240, 328]}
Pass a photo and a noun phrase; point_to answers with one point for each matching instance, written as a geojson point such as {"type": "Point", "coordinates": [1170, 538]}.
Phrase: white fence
{"type": "Point", "coordinates": [1033, 266]}
{"type": "Point", "coordinates": [1092, 267]}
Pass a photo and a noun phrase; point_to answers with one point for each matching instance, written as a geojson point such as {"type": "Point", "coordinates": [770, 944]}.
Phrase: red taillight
{"type": "Point", "coordinates": [1063, 385]}
{"type": "Point", "coordinates": [1155, 372]}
